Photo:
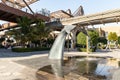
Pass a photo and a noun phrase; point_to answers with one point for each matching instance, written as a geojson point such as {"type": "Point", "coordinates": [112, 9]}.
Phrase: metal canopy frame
{"type": "Point", "coordinates": [18, 3]}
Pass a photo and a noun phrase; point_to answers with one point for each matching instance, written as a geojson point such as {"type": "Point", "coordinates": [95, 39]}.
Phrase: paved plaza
{"type": "Point", "coordinates": [22, 66]}
{"type": "Point", "coordinates": [11, 70]}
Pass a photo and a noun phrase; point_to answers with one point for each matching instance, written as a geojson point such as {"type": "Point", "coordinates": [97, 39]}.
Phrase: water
{"type": "Point", "coordinates": [78, 68]}
{"type": "Point", "coordinates": [105, 66]}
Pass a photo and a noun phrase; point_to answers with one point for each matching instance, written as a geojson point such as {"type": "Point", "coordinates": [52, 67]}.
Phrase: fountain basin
{"type": "Point", "coordinates": [79, 68]}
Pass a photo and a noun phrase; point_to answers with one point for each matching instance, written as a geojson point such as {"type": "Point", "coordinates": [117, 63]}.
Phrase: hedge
{"type": "Point", "coordinates": [84, 50]}
{"type": "Point", "coordinates": [29, 49]}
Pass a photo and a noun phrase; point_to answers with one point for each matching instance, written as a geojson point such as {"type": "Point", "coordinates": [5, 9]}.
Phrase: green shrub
{"type": "Point", "coordinates": [112, 46]}
{"type": "Point", "coordinates": [29, 49]}
{"type": "Point", "coordinates": [84, 50]}
{"type": "Point", "coordinates": [102, 40]}
{"type": "Point", "coordinates": [1, 46]}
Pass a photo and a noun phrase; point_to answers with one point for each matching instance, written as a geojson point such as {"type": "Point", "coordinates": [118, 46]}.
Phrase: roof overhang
{"type": "Point", "coordinates": [17, 3]}
{"type": "Point", "coordinates": [11, 14]}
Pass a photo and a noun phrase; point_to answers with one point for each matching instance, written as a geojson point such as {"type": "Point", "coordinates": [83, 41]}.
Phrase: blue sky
{"type": "Point", "coordinates": [90, 6]}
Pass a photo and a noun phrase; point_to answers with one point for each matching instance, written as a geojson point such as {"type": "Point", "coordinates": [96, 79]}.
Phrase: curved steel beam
{"type": "Point", "coordinates": [28, 7]}
{"type": "Point", "coordinates": [57, 49]}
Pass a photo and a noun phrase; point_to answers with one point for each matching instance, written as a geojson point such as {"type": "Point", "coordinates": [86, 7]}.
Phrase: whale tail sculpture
{"type": "Point", "coordinates": [56, 51]}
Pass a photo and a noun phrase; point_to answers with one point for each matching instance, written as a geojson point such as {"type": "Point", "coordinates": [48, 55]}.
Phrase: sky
{"type": "Point", "coordinates": [89, 6]}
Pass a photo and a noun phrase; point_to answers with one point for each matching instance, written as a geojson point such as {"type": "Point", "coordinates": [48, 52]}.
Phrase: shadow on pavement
{"type": "Point", "coordinates": [7, 53]}
{"type": "Point", "coordinates": [103, 50]}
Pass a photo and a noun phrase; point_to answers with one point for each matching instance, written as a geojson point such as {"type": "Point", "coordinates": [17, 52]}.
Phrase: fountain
{"type": "Point", "coordinates": [75, 68]}
{"type": "Point", "coordinates": [105, 66]}
{"type": "Point", "coordinates": [56, 51]}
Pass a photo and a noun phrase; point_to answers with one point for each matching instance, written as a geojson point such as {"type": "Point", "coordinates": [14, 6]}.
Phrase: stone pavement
{"type": "Point", "coordinates": [10, 70]}
{"type": "Point", "coordinates": [13, 71]}
{"type": "Point", "coordinates": [8, 54]}
{"type": "Point", "coordinates": [23, 66]}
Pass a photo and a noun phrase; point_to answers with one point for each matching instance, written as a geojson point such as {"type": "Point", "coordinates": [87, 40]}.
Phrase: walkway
{"type": "Point", "coordinates": [7, 54]}
{"type": "Point", "coordinates": [11, 70]}
{"type": "Point", "coordinates": [22, 66]}
{"type": "Point", "coordinates": [100, 53]}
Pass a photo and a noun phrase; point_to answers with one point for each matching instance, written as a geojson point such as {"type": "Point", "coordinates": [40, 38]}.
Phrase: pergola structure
{"type": "Point", "coordinates": [17, 3]}
{"type": "Point", "coordinates": [11, 13]}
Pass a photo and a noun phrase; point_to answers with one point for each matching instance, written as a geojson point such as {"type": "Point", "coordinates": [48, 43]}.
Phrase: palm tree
{"type": "Point", "coordinates": [28, 32]}
{"type": "Point", "coordinates": [40, 32]}
{"type": "Point", "coordinates": [24, 24]}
